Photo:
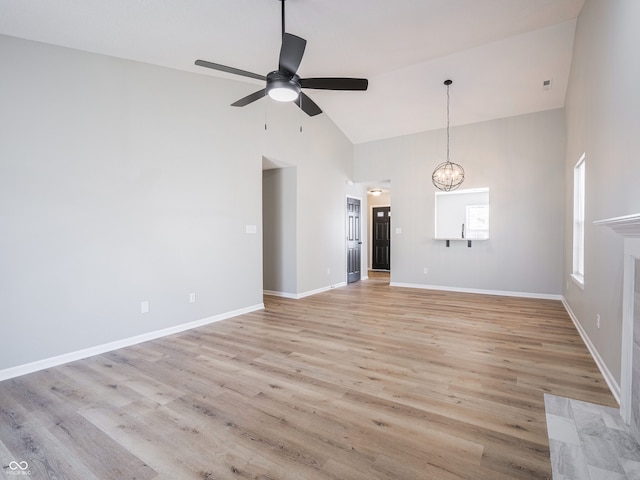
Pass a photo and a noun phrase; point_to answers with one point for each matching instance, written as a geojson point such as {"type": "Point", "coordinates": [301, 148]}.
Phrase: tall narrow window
{"type": "Point", "coordinates": [578, 221]}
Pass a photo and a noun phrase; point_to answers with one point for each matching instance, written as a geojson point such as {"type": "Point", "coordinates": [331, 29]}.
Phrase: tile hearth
{"type": "Point", "coordinates": [589, 442]}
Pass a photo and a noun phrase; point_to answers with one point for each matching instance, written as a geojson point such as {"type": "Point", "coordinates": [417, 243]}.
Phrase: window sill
{"type": "Point", "coordinates": [578, 280]}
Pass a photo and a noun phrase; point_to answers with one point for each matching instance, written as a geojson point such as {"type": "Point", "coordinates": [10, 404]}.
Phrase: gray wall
{"type": "Point", "coordinates": [122, 182]}
{"type": "Point", "coordinates": [119, 182]}
{"type": "Point", "coordinates": [602, 108]}
{"type": "Point", "coordinates": [521, 160]}
{"type": "Point", "coordinates": [279, 212]}
{"type": "Point", "coordinates": [324, 164]}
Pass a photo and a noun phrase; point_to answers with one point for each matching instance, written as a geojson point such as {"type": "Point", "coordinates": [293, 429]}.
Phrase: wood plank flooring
{"type": "Point", "coordinates": [362, 382]}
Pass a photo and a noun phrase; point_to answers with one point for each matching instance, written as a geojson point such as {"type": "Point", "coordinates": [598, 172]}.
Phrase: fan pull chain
{"type": "Point", "coordinates": [300, 114]}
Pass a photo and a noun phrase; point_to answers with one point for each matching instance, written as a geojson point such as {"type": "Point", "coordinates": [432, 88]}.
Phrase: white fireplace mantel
{"type": "Point", "coordinates": [627, 226]}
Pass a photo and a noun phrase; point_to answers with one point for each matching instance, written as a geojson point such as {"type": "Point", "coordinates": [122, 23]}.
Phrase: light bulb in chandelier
{"type": "Point", "coordinates": [448, 176]}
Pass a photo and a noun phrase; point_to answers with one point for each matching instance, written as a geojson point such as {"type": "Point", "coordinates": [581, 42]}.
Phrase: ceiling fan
{"type": "Point", "coordinates": [284, 84]}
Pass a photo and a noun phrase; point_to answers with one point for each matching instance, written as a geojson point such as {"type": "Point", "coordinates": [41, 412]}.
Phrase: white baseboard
{"type": "Point", "coordinates": [108, 347]}
{"type": "Point", "coordinates": [608, 377]}
{"type": "Point", "coordinates": [503, 293]}
{"type": "Point", "coordinates": [272, 293]}
{"type": "Point", "coordinates": [298, 296]}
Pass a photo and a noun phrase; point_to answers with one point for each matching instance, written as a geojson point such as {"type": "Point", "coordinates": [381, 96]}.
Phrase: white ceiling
{"type": "Point", "coordinates": [497, 52]}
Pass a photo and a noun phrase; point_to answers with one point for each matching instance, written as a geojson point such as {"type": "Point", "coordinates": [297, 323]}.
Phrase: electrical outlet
{"type": "Point", "coordinates": [328, 271]}
{"type": "Point", "coordinates": [144, 306]}
{"type": "Point", "coordinates": [426, 271]}
{"type": "Point", "coordinates": [598, 320]}
{"type": "Point", "coordinates": [192, 298]}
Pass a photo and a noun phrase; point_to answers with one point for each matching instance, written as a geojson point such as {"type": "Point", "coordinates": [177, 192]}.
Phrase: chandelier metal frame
{"type": "Point", "coordinates": [448, 175]}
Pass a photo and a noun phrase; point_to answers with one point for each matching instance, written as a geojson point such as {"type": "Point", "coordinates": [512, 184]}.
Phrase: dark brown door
{"type": "Point", "coordinates": [381, 244]}
{"type": "Point", "coordinates": [354, 242]}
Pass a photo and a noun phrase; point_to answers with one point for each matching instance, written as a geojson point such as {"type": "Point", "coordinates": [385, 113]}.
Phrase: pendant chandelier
{"type": "Point", "coordinates": [448, 175]}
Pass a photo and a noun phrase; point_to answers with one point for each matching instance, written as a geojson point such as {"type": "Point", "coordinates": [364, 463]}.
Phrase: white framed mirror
{"type": "Point", "coordinates": [462, 214]}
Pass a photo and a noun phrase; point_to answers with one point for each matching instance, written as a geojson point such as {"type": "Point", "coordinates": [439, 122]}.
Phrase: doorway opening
{"type": "Point", "coordinates": [279, 228]}
{"type": "Point", "coordinates": [379, 226]}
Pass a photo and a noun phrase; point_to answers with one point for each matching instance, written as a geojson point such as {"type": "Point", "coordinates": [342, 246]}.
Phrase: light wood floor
{"type": "Point", "coordinates": [362, 382]}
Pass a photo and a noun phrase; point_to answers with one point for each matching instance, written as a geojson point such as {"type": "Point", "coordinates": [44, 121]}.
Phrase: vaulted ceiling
{"type": "Point", "coordinates": [497, 52]}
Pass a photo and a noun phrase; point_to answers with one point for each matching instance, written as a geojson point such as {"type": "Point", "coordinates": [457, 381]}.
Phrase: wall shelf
{"type": "Point", "coordinates": [468, 240]}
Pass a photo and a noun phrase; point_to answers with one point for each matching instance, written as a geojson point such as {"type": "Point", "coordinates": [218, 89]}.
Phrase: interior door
{"type": "Point", "coordinates": [354, 241]}
{"type": "Point", "coordinates": [381, 241]}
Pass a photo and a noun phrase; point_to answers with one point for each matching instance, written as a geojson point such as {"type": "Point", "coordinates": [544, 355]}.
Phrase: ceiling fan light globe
{"type": "Point", "coordinates": [282, 88]}
{"type": "Point", "coordinates": [283, 94]}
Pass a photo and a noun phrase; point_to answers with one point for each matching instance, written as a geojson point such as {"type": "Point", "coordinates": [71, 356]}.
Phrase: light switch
{"type": "Point", "coordinates": [251, 229]}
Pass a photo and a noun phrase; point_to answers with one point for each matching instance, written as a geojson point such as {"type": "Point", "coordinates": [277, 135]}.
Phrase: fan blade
{"type": "Point", "coordinates": [250, 98]}
{"type": "Point", "coordinates": [336, 83]}
{"type": "Point", "coordinates": [224, 68]}
{"type": "Point", "coordinates": [307, 105]}
{"type": "Point", "coordinates": [291, 53]}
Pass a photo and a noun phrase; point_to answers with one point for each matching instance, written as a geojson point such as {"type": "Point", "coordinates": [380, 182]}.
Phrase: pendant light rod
{"type": "Point", "coordinates": [448, 84]}
{"type": "Point", "coordinates": [283, 29]}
